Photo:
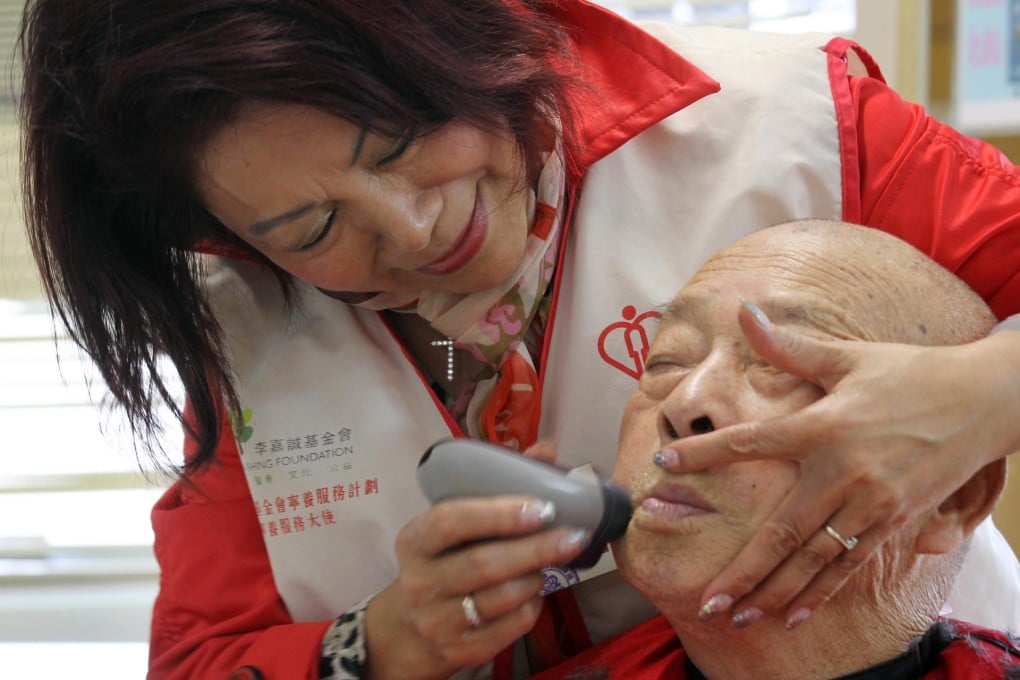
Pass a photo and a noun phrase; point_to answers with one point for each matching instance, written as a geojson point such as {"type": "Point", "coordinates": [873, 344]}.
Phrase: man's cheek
{"type": "Point", "coordinates": [638, 442]}
{"type": "Point", "coordinates": [637, 403]}
{"type": "Point", "coordinates": [760, 486]}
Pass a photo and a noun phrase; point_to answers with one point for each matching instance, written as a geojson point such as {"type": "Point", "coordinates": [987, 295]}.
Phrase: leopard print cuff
{"type": "Point", "coordinates": [343, 653]}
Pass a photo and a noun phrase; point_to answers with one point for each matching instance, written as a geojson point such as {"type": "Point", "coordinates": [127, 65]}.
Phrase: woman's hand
{"type": "Point", "coordinates": [491, 549]}
{"type": "Point", "coordinates": [901, 427]}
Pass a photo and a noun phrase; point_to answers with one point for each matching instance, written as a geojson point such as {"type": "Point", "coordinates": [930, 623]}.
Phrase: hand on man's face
{"type": "Point", "coordinates": [701, 374]}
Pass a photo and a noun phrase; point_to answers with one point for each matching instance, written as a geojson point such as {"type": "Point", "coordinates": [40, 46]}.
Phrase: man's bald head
{"type": "Point", "coordinates": [890, 291]}
{"type": "Point", "coordinates": [826, 281]}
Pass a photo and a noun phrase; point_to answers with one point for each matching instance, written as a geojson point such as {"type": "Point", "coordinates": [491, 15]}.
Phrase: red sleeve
{"type": "Point", "coordinates": [218, 608]}
{"type": "Point", "coordinates": [953, 197]}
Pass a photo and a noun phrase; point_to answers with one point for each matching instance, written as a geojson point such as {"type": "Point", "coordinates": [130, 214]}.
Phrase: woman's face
{"type": "Point", "coordinates": [349, 211]}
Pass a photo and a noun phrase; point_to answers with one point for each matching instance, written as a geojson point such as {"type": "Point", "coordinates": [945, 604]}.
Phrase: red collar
{"type": "Point", "coordinates": [639, 80]}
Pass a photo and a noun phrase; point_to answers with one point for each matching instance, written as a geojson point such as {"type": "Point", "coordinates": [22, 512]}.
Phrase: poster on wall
{"type": "Point", "coordinates": [1014, 42]}
{"type": "Point", "coordinates": [986, 74]}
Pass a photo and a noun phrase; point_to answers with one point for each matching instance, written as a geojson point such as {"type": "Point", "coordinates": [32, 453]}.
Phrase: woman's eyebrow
{"type": "Point", "coordinates": [358, 144]}
{"type": "Point", "coordinates": [265, 226]}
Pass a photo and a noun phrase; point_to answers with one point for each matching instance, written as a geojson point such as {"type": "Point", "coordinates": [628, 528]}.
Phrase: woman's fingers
{"type": "Point", "coordinates": [492, 563]}
{"type": "Point", "coordinates": [794, 561]}
{"type": "Point", "coordinates": [504, 598]}
{"type": "Point", "coordinates": [782, 535]}
{"type": "Point", "coordinates": [544, 451]}
{"type": "Point", "coordinates": [464, 645]}
{"type": "Point", "coordinates": [470, 574]}
{"type": "Point", "coordinates": [795, 435]}
{"type": "Point", "coordinates": [464, 520]}
{"type": "Point", "coordinates": [438, 640]}
{"type": "Point", "coordinates": [815, 570]}
{"type": "Point", "coordinates": [462, 546]}
{"type": "Point", "coordinates": [489, 605]}
{"type": "Point", "coordinates": [832, 577]}
{"type": "Point", "coordinates": [871, 455]}
{"type": "Point", "coordinates": [822, 363]}
{"type": "Point", "coordinates": [790, 436]}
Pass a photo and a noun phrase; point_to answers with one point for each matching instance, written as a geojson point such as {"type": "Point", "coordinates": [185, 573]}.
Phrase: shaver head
{"type": "Point", "coordinates": [616, 514]}
{"type": "Point", "coordinates": [456, 468]}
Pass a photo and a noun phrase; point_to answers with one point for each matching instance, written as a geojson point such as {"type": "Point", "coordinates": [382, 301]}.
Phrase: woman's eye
{"type": "Point", "coordinates": [322, 232]}
{"type": "Point", "coordinates": [397, 151]}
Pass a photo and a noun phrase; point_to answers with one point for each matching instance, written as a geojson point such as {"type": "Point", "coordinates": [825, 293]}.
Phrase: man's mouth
{"type": "Point", "coordinates": [675, 500]}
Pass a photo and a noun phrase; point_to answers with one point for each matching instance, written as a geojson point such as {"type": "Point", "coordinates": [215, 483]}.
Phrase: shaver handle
{"type": "Point", "coordinates": [457, 468]}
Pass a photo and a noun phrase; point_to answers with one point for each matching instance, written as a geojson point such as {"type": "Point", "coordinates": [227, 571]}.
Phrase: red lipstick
{"type": "Point", "coordinates": [467, 245]}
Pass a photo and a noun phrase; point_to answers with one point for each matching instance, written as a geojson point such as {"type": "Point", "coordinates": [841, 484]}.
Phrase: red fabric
{"type": "Point", "coordinates": [559, 633]}
{"type": "Point", "coordinates": [510, 416]}
{"type": "Point", "coordinates": [218, 608]}
{"type": "Point", "coordinates": [951, 196]}
{"type": "Point", "coordinates": [651, 651]}
{"type": "Point", "coordinates": [645, 652]}
{"type": "Point", "coordinates": [639, 80]}
{"type": "Point", "coordinates": [975, 658]}
{"type": "Point", "coordinates": [838, 51]}
{"type": "Point", "coordinates": [224, 250]}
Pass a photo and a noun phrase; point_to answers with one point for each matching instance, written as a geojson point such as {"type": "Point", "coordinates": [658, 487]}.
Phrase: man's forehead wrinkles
{"type": "Point", "coordinates": [685, 309]}
{"type": "Point", "coordinates": [780, 309]}
{"type": "Point", "coordinates": [788, 311]}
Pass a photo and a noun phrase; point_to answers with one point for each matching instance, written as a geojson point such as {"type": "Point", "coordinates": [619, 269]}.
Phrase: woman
{"type": "Point", "coordinates": [436, 219]}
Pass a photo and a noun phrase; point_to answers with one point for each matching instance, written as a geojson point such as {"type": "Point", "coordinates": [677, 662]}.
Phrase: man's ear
{"type": "Point", "coordinates": [949, 525]}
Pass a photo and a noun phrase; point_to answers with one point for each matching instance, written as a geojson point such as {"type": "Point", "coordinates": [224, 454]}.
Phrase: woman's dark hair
{"type": "Point", "coordinates": [120, 96]}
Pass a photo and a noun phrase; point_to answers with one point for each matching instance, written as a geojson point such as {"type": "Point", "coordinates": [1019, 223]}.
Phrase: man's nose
{"type": "Point", "coordinates": [703, 401]}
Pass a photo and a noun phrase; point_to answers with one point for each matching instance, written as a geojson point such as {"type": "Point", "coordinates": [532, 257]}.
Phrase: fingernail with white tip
{"type": "Point", "coordinates": [759, 315]}
{"type": "Point", "coordinates": [746, 617]}
{"type": "Point", "coordinates": [797, 618]}
{"type": "Point", "coordinates": [716, 605]}
{"type": "Point", "coordinates": [665, 458]}
{"type": "Point", "coordinates": [574, 540]}
{"type": "Point", "coordinates": [541, 511]}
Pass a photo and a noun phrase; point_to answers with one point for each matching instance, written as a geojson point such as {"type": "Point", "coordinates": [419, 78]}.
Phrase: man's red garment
{"type": "Point", "coordinates": [950, 650]}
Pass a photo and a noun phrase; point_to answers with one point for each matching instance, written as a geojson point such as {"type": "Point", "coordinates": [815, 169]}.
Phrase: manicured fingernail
{"type": "Point", "coordinates": [718, 603]}
{"type": "Point", "coordinates": [759, 315]}
{"type": "Point", "coordinates": [797, 618]}
{"type": "Point", "coordinates": [540, 511]}
{"type": "Point", "coordinates": [665, 458]}
{"type": "Point", "coordinates": [574, 540]}
{"type": "Point", "coordinates": [746, 617]}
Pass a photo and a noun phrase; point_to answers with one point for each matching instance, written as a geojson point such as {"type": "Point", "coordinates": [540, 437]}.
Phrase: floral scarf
{"type": "Point", "coordinates": [493, 324]}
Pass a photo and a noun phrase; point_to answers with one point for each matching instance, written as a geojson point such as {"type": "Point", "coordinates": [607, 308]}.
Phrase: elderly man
{"type": "Point", "coordinates": [829, 280]}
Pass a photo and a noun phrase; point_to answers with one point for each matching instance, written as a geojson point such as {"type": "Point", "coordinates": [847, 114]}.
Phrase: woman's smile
{"type": "Point", "coordinates": [467, 245]}
{"type": "Point", "coordinates": [349, 210]}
